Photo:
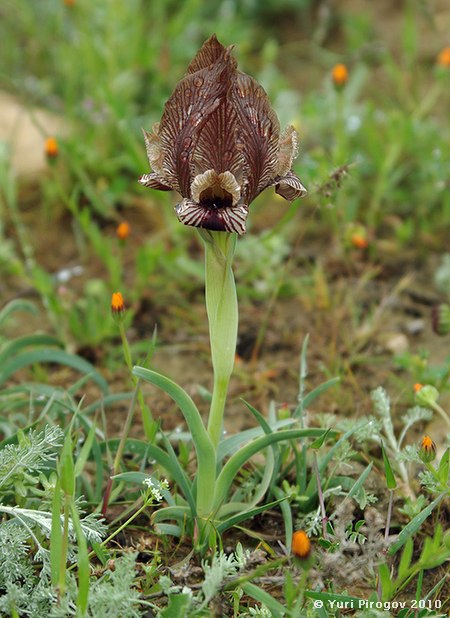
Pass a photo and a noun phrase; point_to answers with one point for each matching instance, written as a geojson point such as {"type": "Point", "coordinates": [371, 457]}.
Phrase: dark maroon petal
{"type": "Point", "coordinates": [290, 187]}
{"type": "Point", "coordinates": [259, 133]}
{"type": "Point", "coordinates": [187, 111]}
{"type": "Point", "coordinates": [154, 182]}
{"type": "Point", "coordinates": [231, 219]}
{"type": "Point", "coordinates": [207, 55]}
{"type": "Point", "coordinates": [219, 146]}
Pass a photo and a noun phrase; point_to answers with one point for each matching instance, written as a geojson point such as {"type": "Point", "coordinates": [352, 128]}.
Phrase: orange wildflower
{"type": "Point", "coordinates": [301, 545]}
{"type": "Point", "coordinates": [417, 387]}
{"type": "Point", "coordinates": [123, 230]}
{"type": "Point", "coordinates": [51, 148]}
{"type": "Point", "coordinates": [359, 241]}
{"type": "Point", "coordinates": [69, 2]}
{"type": "Point", "coordinates": [339, 74]}
{"type": "Point", "coordinates": [117, 304]}
{"type": "Point", "coordinates": [427, 451]}
{"type": "Point", "coordinates": [443, 58]}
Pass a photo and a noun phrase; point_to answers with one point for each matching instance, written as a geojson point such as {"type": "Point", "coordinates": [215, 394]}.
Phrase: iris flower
{"type": "Point", "coordinates": [219, 144]}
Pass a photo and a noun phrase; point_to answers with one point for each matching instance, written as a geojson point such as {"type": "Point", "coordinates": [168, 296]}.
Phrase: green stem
{"type": "Point", "coordinates": [441, 412]}
{"type": "Point", "coordinates": [148, 422]}
{"type": "Point", "coordinates": [64, 548]}
{"type": "Point", "coordinates": [221, 306]}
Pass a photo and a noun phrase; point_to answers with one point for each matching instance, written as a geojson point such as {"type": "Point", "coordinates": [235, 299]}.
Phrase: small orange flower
{"type": "Point", "coordinates": [443, 58]}
{"type": "Point", "coordinates": [417, 387]}
{"type": "Point", "coordinates": [123, 230]}
{"type": "Point", "coordinates": [117, 304]}
{"type": "Point", "coordinates": [69, 3]}
{"type": "Point", "coordinates": [359, 241]}
{"type": "Point", "coordinates": [51, 148]}
{"type": "Point", "coordinates": [301, 545]}
{"type": "Point", "coordinates": [427, 451]}
{"type": "Point", "coordinates": [339, 74]}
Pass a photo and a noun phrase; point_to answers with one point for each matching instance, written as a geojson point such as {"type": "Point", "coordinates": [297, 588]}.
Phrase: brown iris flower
{"type": "Point", "coordinates": [219, 144]}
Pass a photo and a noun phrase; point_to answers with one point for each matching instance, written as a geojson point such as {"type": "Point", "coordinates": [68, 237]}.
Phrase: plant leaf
{"type": "Point", "coordinates": [233, 465]}
{"type": "Point", "coordinates": [391, 483]}
{"type": "Point", "coordinates": [275, 607]}
{"type": "Point", "coordinates": [206, 456]}
{"type": "Point", "coordinates": [248, 514]}
{"type": "Point", "coordinates": [412, 527]}
{"type": "Point", "coordinates": [52, 356]}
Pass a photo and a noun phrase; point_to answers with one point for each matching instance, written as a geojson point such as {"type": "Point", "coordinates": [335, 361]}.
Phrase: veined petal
{"type": "Point", "coordinates": [187, 111]}
{"type": "Point", "coordinates": [259, 132]}
{"type": "Point", "coordinates": [208, 54]}
{"type": "Point", "coordinates": [154, 181]}
{"type": "Point", "coordinates": [290, 187]}
{"type": "Point", "coordinates": [230, 219]}
{"type": "Point", "coordinates": [287, 150]}
{"type": "Point", "coordinates": [153, 147]}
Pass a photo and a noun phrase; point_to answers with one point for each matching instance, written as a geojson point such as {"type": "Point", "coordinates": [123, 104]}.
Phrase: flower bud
{"type": "Point", "coordinates": [427, 450]}
{"type": "Point", "coordinates": [284, 412]}
{"type": "Point", "coordinates": [339, 75]}
{"type": "Point", "coordinates": [117, 306]}
{"type": "Point", "coordinates": [123, 230]}
{"type": "Point", "coordinates": [426, 395]}
{"type": "Point", "coordinates": [359, 241]}
{"type": "Point", "coordinates": [301, 545]}
{"type": "Point", "coordinates": [443, 59]}
{"type": "Point", "coordinates": [51, 148]}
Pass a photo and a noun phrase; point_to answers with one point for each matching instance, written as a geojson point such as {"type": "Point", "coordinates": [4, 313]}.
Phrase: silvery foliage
{"type": "Point", "coordinates": [33, 452]}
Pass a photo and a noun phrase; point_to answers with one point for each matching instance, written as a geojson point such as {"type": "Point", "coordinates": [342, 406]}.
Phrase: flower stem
{"type": "Point", "coordinates": [221, 306]}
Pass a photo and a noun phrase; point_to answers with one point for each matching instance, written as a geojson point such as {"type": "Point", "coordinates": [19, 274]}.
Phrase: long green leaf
{"type": "Point", "coordinates": [14, 346]}
{"type": "Point", "coordinates": [272, 457]}
{"type": "Point", "coordinates": [170, 464]}
{"type": "Point", "coordinates": [56, 535]}
{"type": "Point", "coordinates": [412, 527]}
{"type": "Point", "coordinates": [387, 585]}
{"type": "Point", "coordinates": [51, 356]}
{"type": "Point", "coordinates": [312, 396]}
{"type": "Point", "coordinates": [359, 481]}
{"type": "Point", "coordinates": [178, 513]}
{"type": "Point", "coordinates": [206, 456]}
{"type": "Point", "coordinates": [405, 560]}
{"type": "Point", "coordinates": [325, 460]}
{"type": "Point", "coordinates": [286, 512]}
{"type": "Point", "coordinates": [85, 450]}
{"type": "Point", "coordinates": [391, 483]}
{"type": "Point", "coordinates": [82, 563]}
{"type": "Point", "coordinates": [248, 514]}
{"type": "Point", "coordinates": [277, 610]}
{"type": "Point", "coordinates": [444, 466]}
{"type": "Point", "coordinates": [105, 402]}
{"type": "Point", "coordinates": [230, 445]}
{"type": "Point", "coordinates": [234, 464]}
{"type": "Point", "coordinates": [17, 305]}
{"type": "Point", "coordinates": [169, 530]}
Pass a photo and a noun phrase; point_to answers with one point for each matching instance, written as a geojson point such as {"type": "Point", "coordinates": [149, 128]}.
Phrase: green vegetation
{"type": "Point", "coordinates": [119, 495]}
